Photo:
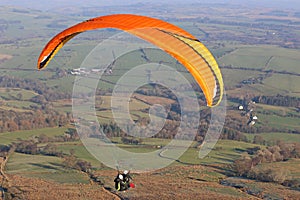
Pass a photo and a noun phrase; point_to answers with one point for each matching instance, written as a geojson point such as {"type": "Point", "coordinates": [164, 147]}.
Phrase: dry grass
{"type": "Point", "coordinates": [5, 57]}
{"type": "Point", "coordinates": [31, 188]}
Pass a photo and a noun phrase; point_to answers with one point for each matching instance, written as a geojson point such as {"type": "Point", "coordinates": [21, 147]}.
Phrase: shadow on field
{"type": "Point", "coordinates": [176, 160]}
{"type": "Point", "coordinates": [57, 164]}
{"type": "Point", "coordinates": [197, 179]}
{"type": "Point", "coordinates": [221, 160]}
{"type": "Point", "coordinates": [44, 166]}
{"type": "Point", "coordinates": [113, 191]}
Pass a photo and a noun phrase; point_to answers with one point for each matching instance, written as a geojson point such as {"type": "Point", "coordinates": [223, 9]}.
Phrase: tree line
{"type": "Point", "coordinates": [11, 120]}
{"type": "Point", "coordinates": [249, 164]}
{"type": "Point", "coordinates": [278, 100]}
{"type": "Point", "coordinates": [37, 86]}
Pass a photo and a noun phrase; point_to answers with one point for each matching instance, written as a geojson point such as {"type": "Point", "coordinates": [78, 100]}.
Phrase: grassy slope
{"type": "Point", "coordinates": [44, 167]}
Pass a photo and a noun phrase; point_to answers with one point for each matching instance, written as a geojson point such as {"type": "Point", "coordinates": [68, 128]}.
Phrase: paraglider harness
{"type": "Point", "coordinates": [122, 181]}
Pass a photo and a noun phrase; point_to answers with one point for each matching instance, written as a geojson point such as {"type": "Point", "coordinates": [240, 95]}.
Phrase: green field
{"type": "Point", "coordinates": [289, 85]}
{"type": "Point", "coordinates": [289, 123]}
{"type": "Point", "coordinates": [292, 166]}
{"type": "Point", "coordinates": [44, 167]}
{"type": "Point", "coordinates": [224, 152]}
{"type": "Point", "coordinates": [9, 137]}
{"type": "Point", "coordinates": [263, 57]}
{"type": "Point", "coordinates": [233, 77]}
{"type": "Point", "coordinates": [16, 93]}
{"type": "Point", "coordinates": [80, 152]}
{"type": "Point", "coordinates": [277, 136]}
{"type": "Point", "coordinates": [16, 99]}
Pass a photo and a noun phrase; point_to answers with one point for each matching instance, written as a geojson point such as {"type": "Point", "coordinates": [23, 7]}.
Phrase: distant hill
{"type": "Point", "coordinates": [43, 5]}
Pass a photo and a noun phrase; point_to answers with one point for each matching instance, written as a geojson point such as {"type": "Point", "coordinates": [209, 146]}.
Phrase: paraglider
{"type": "Point", "coordinates": [123, 181]}
{"type": "Point", "coordinates": [119, 183]}
{"type": "Point", "coordinates": [183, 46]}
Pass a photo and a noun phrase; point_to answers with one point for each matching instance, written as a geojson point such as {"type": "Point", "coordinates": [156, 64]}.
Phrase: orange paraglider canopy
{"type": "Point", "coordinates": [177, 42]}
